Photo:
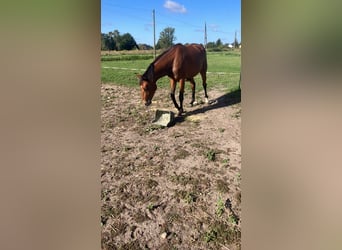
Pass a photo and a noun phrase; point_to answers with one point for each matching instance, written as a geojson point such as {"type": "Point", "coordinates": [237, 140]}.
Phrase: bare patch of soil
{"type": "Point", "coordinates": [170, 188]}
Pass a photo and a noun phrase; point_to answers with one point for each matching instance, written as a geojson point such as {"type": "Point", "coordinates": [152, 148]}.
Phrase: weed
{"type": "Point", "coordinates": [190, 197]}
{"type": "Point", "coordinates": [238, 177]}
{"type": "Point", "coordinates": [172, 217]}
{"type": "Point", "coordinates": [211, 235]}
{"type": "Point", "coordinates": [220, 207]}
{"type": "Point", "coordinates": [237, 114]}
{"type": "Point", "coordinates": [109, 125]}
{"type": "Point", "coordinates": [233, 219]}
{"type": "Point", "coordinates": [150, 206]}
{"type": "Point", "coordinates": [220, 232]}
{"type": "Point", "coordinates": [211, 155]}
{"type": "Point", "coordinates": [151, 128]}
{"type": "Point", "coordinates": [225, 161]}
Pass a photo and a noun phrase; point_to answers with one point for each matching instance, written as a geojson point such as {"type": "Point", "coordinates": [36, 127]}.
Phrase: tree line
{"type": "Point", "coordinates": [115, 41]}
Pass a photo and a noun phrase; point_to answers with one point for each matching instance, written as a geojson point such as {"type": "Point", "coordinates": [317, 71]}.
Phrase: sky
{"type": "Point", "coordinates": [187, 17]}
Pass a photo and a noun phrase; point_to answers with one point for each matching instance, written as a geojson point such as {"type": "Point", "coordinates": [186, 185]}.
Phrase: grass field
{"type": "Point", "coordinates": [121, 68]}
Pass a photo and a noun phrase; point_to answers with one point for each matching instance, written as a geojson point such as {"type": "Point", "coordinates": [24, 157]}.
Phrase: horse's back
{"type": "Point", "coordinates": [189, 60]}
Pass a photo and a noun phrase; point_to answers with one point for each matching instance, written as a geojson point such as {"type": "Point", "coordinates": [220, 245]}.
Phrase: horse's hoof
{"type": "Point", "coordinates": [206, 100]}
{"type": "Point", "coordinates": [180, 112]}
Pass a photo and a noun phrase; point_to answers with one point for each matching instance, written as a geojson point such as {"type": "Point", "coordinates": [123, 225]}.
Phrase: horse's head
{"type": "Point", "coordinates": [147, 89]}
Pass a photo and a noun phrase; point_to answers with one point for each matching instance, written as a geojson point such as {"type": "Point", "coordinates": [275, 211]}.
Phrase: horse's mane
{"type": "Point", "coordinates": [162, 54]}
{"type": "Point", "coordinates": [151, 66]}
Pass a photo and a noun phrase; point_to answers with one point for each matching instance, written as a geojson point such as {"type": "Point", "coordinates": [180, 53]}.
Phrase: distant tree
{"type": "Point", "coordinates": [115, 35]}
{"type": "Point", "coordinates": [107, 42]}
{"type": "Point", "coordinates": [103, 41]}
{"type": "Point", "coordinates": [145, 46]}
{"type": "Point", "coordinates": [166, 38]}
{"type": "Point", "coordinates": [218, 43]}
{"type": "Point", "coordinates": [211, 45]}
{"type": "Point", "coordinates": [127, 42]}
{"type": "Point", "coordinates": [114, 41]}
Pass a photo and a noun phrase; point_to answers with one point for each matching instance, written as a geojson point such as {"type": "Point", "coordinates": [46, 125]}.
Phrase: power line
{"type": "Point", "coordinates": [123, 7]}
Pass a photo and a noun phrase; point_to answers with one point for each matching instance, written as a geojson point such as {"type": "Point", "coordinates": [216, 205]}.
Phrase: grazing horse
{"type": "Point", "coordinates": [179, 63]}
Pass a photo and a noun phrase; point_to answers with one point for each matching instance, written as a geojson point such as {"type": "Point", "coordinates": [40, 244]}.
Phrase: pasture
{"type": "Point", "coordinates": [176, 187]}
{"type": "Point", "coordinates": [120, 68]}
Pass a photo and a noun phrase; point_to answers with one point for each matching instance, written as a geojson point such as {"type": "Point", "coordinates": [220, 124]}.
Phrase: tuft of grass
{"type": "Point", "coordinates": [211, 155]}
{"type": "Point", "coordinates": [190, 197]}
{"type": "Point", "coordinates": [152, 128]}
{"type": "Point", "coordinates": [238, 177]}
{"type": "Point", "coordinates": [233, 219]}
{"type": "Point", "coordinates": [220, 233]}
{"type": "Point", "coordinates": [225, 162]}
{"type": "Point", "coordinates": [220, 207]}
{"type": "Point", "coordinates": [237, 114]}
{"type": "Point", "coordinates": [211, 235]}
{"type": "Point", "coordinates": [150, 207]}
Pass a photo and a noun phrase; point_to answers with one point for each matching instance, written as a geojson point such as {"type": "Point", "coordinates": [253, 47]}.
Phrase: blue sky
{"type": "Point", "coordinates": [223, 18]}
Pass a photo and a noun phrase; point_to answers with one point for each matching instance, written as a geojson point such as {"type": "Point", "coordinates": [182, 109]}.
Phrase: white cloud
{"type": "Point", "coordinates": [174, 7]}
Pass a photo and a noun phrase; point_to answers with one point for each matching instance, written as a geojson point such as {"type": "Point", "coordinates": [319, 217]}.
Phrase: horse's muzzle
{"type": "Point", "coordinates": [148, 103]}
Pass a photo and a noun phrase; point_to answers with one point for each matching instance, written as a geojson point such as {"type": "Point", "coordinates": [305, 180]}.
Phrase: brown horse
{"type": "Point", "coordinates": [179, 63]}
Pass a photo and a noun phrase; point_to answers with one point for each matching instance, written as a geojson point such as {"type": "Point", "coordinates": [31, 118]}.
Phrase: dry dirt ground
{"type": "Point", "coordinates": [170, 188]}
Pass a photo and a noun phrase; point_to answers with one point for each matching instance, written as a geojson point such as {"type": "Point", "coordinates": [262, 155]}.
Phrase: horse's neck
{"type": "Point", "coordinates": [161, 69]}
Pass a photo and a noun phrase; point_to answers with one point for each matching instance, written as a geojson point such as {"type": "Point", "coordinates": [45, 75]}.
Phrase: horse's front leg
{"type": "Point", "coordinates": [173, 84]}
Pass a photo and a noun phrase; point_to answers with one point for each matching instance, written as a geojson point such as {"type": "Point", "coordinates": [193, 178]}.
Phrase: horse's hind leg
{"type": "Point", "coordinates": [193, 88]}
{"type": "Point", "coordinates": [204, 83]}
{"type": "Point", "coordinates": [181, 95]}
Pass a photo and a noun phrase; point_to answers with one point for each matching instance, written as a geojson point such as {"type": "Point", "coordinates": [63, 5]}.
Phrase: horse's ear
{"type": "Point", "coordinates": [139, 78]}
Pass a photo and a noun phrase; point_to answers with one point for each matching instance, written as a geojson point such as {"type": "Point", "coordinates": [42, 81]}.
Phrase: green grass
{"type": "Point", "coordinates": [211, 155]}
{"type": "Point", "coordinates": [220, 207]}
{"type": "Point", "coordinates": [228, 62]}
{"type": "Point", "coordinates": [124, 57]}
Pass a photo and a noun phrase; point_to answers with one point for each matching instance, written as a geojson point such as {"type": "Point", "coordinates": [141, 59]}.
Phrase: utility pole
{"type": "Point", "coordinates": [205, 35]}
{"type": "Point", "coordinates": [154, 32]}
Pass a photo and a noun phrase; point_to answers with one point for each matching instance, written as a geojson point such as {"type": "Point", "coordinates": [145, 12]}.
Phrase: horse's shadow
{"type": "Point", "coordinates": [225, 100]}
